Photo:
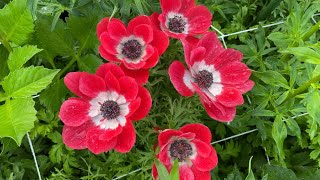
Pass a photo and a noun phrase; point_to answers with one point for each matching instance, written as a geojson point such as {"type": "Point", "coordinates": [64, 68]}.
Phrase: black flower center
{"type": "Point", "coordinates": [110, 109]}
{"type": "Point", "coordinates": [180, 149]}
{"type": "Point", "coordinates": [177, 24]}
{"type": "Point", "coordinates": [204, 79]}
{"type": "Point", "coordinates": [132, 49]}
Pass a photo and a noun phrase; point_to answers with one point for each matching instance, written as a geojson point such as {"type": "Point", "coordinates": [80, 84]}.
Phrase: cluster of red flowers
{"type": "Point", "coordinates": [100, 119]}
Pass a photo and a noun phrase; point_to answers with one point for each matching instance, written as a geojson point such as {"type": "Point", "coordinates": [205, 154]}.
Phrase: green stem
{"type": "Point", "coordinates": [73, 60]}
{"type": "Point", "coordinates": [306, 36]}
{"type": "Point", "coordinates": [303, 87]}
{"type": "Point", "coordinates": [6, 45]}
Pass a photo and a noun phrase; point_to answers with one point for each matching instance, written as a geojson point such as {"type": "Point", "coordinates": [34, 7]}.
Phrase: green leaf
{"type": "Point", "coordinates": [27, 81]}
{"type": "Point", "coordinates": [20, 55]}
{"type": "Point", "coordinates": [139, 6]}
{"type": "Point", "coordinates": [304, 54]}
{"type": "Point", "coordinates": [276, 172]}
{"type": "Point", "coordinates": [313, 104]}
{"type": "Point", "coordinates": [4, 70]}
{"type": "Point", "coordinates": [273, 78]}
{"type": "Point", "coordinates": [280, 39]}
{"type": "Point", "coordinates": [174, 173]}
{"type": "Point", "coordinates": [8, 144]}
{"type": "Point", "coordinates": [89, 63]}
{"type": "Point", "coordinates": [16, 22]}
{"type": "Point", "coordinates": [279, 134]}
{"type": "Point", "coordinates": [263, 112]}
{"type": "Point", "coordinates": [2, 96]}
{"type": "Point", "coordinates": [250, 175]}
{"type": "Point", "coordinates": [162, 170]}
{"type": "Point", "coordinates": [16, 118]}
{"type": "Point", "coordinates": [83, 29]}
{"type": "Point", "coordinates": [315, 154]}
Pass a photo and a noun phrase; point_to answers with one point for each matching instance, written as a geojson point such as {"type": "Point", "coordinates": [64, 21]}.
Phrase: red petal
{"type": "Point", "coordinates": [74, 112]}
{"type": "Point", "coordinates": [112, 82]}
{"type": "Point", "coordinates": [197, 55]}
{"type": "Point", "coordinates": [185, 173]}
{"type": "Point", "coordinates": [189, 43]}
{"type": "Point", "coordinates": [219, 112]}
{"type": "Point", "coordinates": [133, 107]}
{"type": "Point", "coordinates": [145, 32]}
{"type": "Point", "coordinates": [224, 58]}
{"type": "Point", "coordinates": [202, 132]}
{"type": "Point", "coordinates": [164, 156]}
{"type": "Point", "coordinates": [134, 66]}
{"type": "Point", "coordinates": [98, 145]}
{"type": "Point", "coordinates": [110, 67]}
{"type": "Point", "coordinates": [91, 85]}
{"type": "Point", "coordinates": [166, 135]}
{"type": "Point", "coordinates": [230, 97]}
{"type": "Point", "coordinates": [117, 30]}
{"type": "Point", "coordinates": [138, 21]}
{"type": "Point", "coordinates": [203, 149]}
{"type": "Point", "coordinates": [75, 137]}
{"type": "Point", "coordinates": [186, 5]}
{"type": "Point", "coordinates": [212, 45]}
{"type": "Point", "coordinates": [243, 88]}
{"type": "Point", "coordinates": [128, 88]}
{"type": "Point", "coordinates": [199, 19]}
{"type": "Point", "coordinates": [154, 21]}
{"type": "Point", "coordinates": [169, 5]}
{"type": "Point", "coordinates": [234, 73]}
{"type": "Point", "coordinates": [103, 25]}
{"type": "Point", "coordinates": [108, 43]}
{"type": "Point", "coordinates": [152, 61]}
{"type": "Point", "coordinates": [140, 75]}
{"type": "Point", "coordinates": [154, 172]}
{"type": "Point", "coordinates": [160, 41]}
{"type": "Point", "coordinates": [206, 163]}
{"type": "Point", "coordinates": [179, 76]}
{"type": "Point", "coordinates": [71, 80]}
{"type": "Point", "coordinates": [107, 56]}
{"type": "Point", "coordinates": [201, 175]}
{"type": "Point", "coordinates": [106, 134]}
{"type": "Point", "coordinates": [126, 139]}
{"type": "Point", "coordinates": [145, 105]}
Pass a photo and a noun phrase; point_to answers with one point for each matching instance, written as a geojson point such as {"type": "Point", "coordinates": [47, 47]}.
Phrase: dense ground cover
{"type": "Point", "coordinates": [51, 38]}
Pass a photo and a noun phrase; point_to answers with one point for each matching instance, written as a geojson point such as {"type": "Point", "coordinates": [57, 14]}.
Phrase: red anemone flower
{"type": "Point", "coordinates": [137, 46]}
{"type": "Point", "coordinates": [215, 73]}
{"type": "Point", "coordinates": [191, 147]}
{"type": "Point", "coordinates": [101, 118]}
{"type": "Point", "coordinates": [180, 18]}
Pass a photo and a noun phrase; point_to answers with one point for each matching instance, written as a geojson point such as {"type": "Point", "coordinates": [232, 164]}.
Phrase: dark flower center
{"type": "Point", "coordinates": [110, 109]}
{"type": "Point", "coordinates": [204, 79]}
{"type": "Point", "coordinates": [132, 49]}
{"type": "Point", "coordinates": [180, 149]}
{"type": "Point", "coordinates": [176, 24]}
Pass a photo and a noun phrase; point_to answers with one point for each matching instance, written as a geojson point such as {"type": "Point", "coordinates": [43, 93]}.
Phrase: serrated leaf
{"type": "Point", "coordinates": [84, 30]}
{"type": "Point", "coordinates": [276, 172]}
{"type": "Point", "coordinates": [27, 81]}
{"type": "Point", "coordinates": [89, 63]}
{"type": "Point", "coordinates": [8, 144]}
{"type": "Point", "coordinates": [53, 96]}
{"type": "Point", "coordinates": [16, 118]}
{"type": "Point", "coordinates": [250, 175]}
{"type": "Point", "coordinates": [20, 55]}
{"type": "Point", "coordinates": [16, 22]}
{"type": "Point", "coordinates": [273, 78]}
{"type": "Point", "coordinates": [174, 173]}
{"type": "Point", "coordinates": [279, 134]}
{"type": "Point", "coordinates": [304, 54]}
{"type": "Point", "coordinates": [163, 173]}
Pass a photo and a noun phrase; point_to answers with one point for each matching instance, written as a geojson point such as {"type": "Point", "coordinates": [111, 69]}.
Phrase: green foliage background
{"type": "Point", "coordinates": [284, 60]}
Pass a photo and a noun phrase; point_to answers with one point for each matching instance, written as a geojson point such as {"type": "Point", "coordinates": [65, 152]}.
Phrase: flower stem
{"type": "Point", "coordinates": [303, 87]}
{"type": "Point", "coordinates": [307, 35]}
{"type": "Point", "coordinates": [73, 60]}
{"type": "Point", "coordinates": [6, 45]}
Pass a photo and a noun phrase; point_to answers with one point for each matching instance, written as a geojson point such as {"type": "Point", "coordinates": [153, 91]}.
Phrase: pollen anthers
{"type": "Point", "coordinates": [177, 23]}
{"type": "Point", "coordinates": [180, 149]}
{"type": "Point", "coordinates": [204, 79]}
{"type": "Point", "coordinates": [110, 109]}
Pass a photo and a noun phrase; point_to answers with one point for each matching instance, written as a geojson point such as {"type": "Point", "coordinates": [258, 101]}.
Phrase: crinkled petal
{"type": "Point", "coordinates": [109, 67]}
{"type": "Point", "coordinates": [203, 149]}
{"type": "Point", "coordinates": [164, 156]}
{"type": "Point", "coordinates": [117, 30]}
{"type": "Point", "coordinates": [189, 43]}
{"type": "Point", "coordinates": [103, 25]}
{"type": "Point", "coordinates": [201, 175]}
{"type": "Point", "coordinates": [155, 21]}
{"type": "Point", "coordinates": [98, 145]}
{"type": "Point", "coordinates": [138, 21]}
{"type": "Point", "coordinates": [186, 5]}
{"type": "Point", "coordinates": [133, 107]}
{"type": "Point", "coordinates": [154, 172]}
{"type": "Point", "coordinates": [243, 88]}
{"type": "Point", "coordinates": [74, 112]}
{"type": "Point", "coordinates": [197, 55]}
{"type": "Point", "coordinates": [206, 163]}
{"type": "Point", "coordinates": [186, 173]}
{"type": "Point", "coordinates": [223, 58]}
{"type": "Point", "coordinates": [213, 46]}
{"type": "Point", "coordinates": [112, 82]}
{"type": "Point", "coordinates": [107, 56]}
{"type": "Point", "coordinates": [134, 66]}
{"type": "Point", "coordinates": [128, 88]}
{"type": "Point", "coordinates": [71, 80]}
{"type": "Point", "coordinates": [145, 32]}
{"type": "Point", "coordinates": [234, 73]}
{"type": "Point", "coordinates": [91, 85]}
{"type": "Point", "coordinates": [126, 139]}
{"type": "Point", "coordinates": [160, 41]}
{"type": "Point", "coordinates": [166, 135]}
{"type": "Point", "coordinates": [170, 5]}
{"type": "Point", "coordinates": [202, 132]}
{"type": "Point", "coordinates": [75, 137]}
{"type": "Point", "coordinates": [219, 112]}
{"type": "Point", "coordinates": [109, 44]}
{"type": "Point", "coordinates": [199, 19]}
{"type": "Point", "coordinates": [145, 105]}
{"type": "Point", "coordinates": [140, 75]}
{"type": "Point", "coordinates": [152, 61]}
{"type": "Point", "coordinates": [230, 97]}
{"type": "Point", "coordinates": [181, 79]}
